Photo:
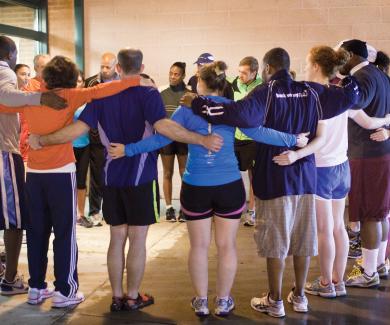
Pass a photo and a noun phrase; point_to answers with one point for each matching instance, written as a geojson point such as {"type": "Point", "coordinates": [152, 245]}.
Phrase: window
{"type": "Point", "coordinates": [26, 23]}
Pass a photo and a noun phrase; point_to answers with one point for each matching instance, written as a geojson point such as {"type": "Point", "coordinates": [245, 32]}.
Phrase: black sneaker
{"type": "Point", "coordinates": [181, 218]}
{"type": "Point", "coordinates": [353, 236]}
{"type": "Point", "coordinates": [355, 251]}
{"type": "Point", "coordinates": [84, 222]}
{"type": "Point", "coordinates": [170, 214]}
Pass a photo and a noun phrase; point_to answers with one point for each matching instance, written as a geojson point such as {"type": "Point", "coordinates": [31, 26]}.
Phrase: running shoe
{"type": "Point", "coordinates": [84, 222]}
{"type": "Point", "coordinates": [358, 278]}
{"type": "Point", "coordinates": [16, 287]}
{"type": "Point", "coordinates": [300, 303]}
{"type": "Point", "coordinates": [140, 302]}
{"type": "Point", "coordinates": [355, 251]}
{"type": "Point", "coordinates": [250, 218]}
{"type": "Point", "coordinates": [352, 235]}
{"type": "Point", "coordinates": [181, 218]}
{"type": "Point", "coordinates": [97, 220]}
{"type": "Point", "coordinates": [60, 301]}
{"type": "Point", "coordinates": [340, 289]}
{"type": "Point", "coordinates": [37, 296]}
{"type": "Point", "coordinates": [316, 288]}
{"type": "Point", "coordinates": [223, 307]}
{"type": "Point", "coordinates": [200, 306]}
{"type": "Point", "coordinates": [170, 215]}
{"type": "Point", "coordinates": [268, 306]}
{"type": "Point", "coordinates": [383, 270]}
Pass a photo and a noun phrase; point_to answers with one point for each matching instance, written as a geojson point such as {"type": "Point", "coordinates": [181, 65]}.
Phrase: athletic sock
{"type": "Point", "coordinates": [370, 257]}
{"type": "Point", "coordinates": [169, 206]}
{"type": "Point", "coordinates": [355, 226]}
{"type": "Point", "coordinates": [382, 252]}
{"type": "Point", "coordinates": [223, 298]}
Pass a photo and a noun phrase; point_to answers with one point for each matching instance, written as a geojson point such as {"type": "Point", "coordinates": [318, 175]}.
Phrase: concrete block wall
{"type": "Point", "coordinates": [61, 28]}
{"type": "Point", "coordinates": [179, 30]}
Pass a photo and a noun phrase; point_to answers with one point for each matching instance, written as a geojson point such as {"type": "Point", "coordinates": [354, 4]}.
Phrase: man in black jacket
{"type": "Point", "coordinates": [369, 198]}
{"type": "Point", "coordinates": [96, 160]}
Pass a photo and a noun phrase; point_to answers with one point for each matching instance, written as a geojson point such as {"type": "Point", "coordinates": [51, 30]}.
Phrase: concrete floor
{"type": "Point", "coordinates": [166, 277]}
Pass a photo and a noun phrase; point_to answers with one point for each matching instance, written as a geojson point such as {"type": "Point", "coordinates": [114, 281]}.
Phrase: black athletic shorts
{"type": "Point", "coordinates": [134, 206]}
{"type": "Point", "coordinates": [202, 202]}
{"type": "Point", "coordinates": [82, 163]}
{"type": "Point", "coordinates": [175, 148]}
{"type": "Point", "coordinates": [245, 151]}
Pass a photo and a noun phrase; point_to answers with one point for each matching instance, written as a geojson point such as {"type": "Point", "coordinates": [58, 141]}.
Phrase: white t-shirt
{"type": "Point", "coordinates": [334, 152]}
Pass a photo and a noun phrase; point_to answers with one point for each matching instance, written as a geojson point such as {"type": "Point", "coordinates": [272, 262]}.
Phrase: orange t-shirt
{"type": "Point", "coordinates": [34, 84]}
{"type": "Point", "coordinates": [44, 120]}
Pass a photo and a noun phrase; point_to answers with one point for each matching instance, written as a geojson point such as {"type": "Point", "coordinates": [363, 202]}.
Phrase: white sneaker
{"type": "Point", "coordinates": [250, 218]}
{"type": "Point", "coordinates": [17, 287]}
{"type": "Point", "coordinates": [300, 303]}
{"type": "Point", "coordinates": [60, 301]}
{"type": "Point", "coordinates": [37, 296]}
{"type": "Point", "coordinates": [268, 306]}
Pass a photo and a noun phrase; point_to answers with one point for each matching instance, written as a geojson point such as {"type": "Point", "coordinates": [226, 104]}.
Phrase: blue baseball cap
{"type": "Point", "coordinates": [204, 58]}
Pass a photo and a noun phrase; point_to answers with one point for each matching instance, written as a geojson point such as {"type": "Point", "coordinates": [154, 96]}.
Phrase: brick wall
{"type": "Point", "coordinates": [171, 30]}
{"type": "Point", "coordinates": [61, 28]}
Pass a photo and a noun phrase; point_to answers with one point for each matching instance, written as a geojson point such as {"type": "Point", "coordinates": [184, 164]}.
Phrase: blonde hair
{"type": "Point", "coordinates": [329, 60]}
{"type": "Point", "coordinates": [213, 74]}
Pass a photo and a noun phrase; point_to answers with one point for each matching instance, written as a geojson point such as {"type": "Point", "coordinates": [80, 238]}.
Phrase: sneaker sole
{"type": "Point", "coordinates": [297, 310]}
{"type": "Point", "coordinates": [373, 286]}
{"type": "Point", "coordinates": [38, 301]}
{"type": "Point", "coordinates": [199, 314]}
{"type": "Point", "coordinates": [246, 224]}
{"type": "Point", "coordinates": [67, 303]}
{"type": "Point", "coordinates": [341, 293]}
{"type": "Point", "coordinates": [13, 293]}
{"type": "Point", "coordinates": [323, 295]}
{"type": "Point", "coordinates": [225, 314]}
{"type": "Point", "coordinates": [268, 312]}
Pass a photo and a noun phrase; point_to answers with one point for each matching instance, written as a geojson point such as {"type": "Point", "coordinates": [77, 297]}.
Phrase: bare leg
{"type": "Point", "coordinates": [341, 240]}
{"type": "Point", "coordinates": [168, 165]}
{"type": "Point", "coordinates": [136, 258]}
{"type": "Point", "coordinates": [301, 267]}
{"type": "Point", "coordinates": [116, 258]}
{"type": "Point", "coordinates": [182, 161]}
{"type": "Point", "coordinates": [326, 244]}
{"type": "Point", "coordinates": [251, 203]}
{"type": "Point", "coordinates": [200, 236]}
{"type": "Point", "coordinates": [81, 194]}
{"type": "Point", "coordinates": [225, 239]}
{"type": "Point", "coordinates": [12, 243]}
{"type": "Point", "coordinates": [275, 269]}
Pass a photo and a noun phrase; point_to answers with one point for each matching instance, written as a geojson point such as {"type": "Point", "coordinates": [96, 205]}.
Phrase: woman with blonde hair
{"type": "Point", "coordinates": [333, 178]}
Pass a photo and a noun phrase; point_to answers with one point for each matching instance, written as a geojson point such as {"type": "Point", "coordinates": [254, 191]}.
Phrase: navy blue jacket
{"type": "Point", "coordinates": [288, 106]}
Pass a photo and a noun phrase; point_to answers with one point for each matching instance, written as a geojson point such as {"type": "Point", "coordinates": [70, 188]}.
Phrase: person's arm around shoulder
{"type": "Point", "coordinates": [335, 100]}
{"type": "Point", "coordinates": [246, 113]}
{"type": "Point", "coordinates": [368, 122]}
{"type": "Point", "coordinates": [289, 157]}
{"type": "Point", "coordinates": [80, 96]}
{"type": "Point", "coordinates": [276, 138]}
